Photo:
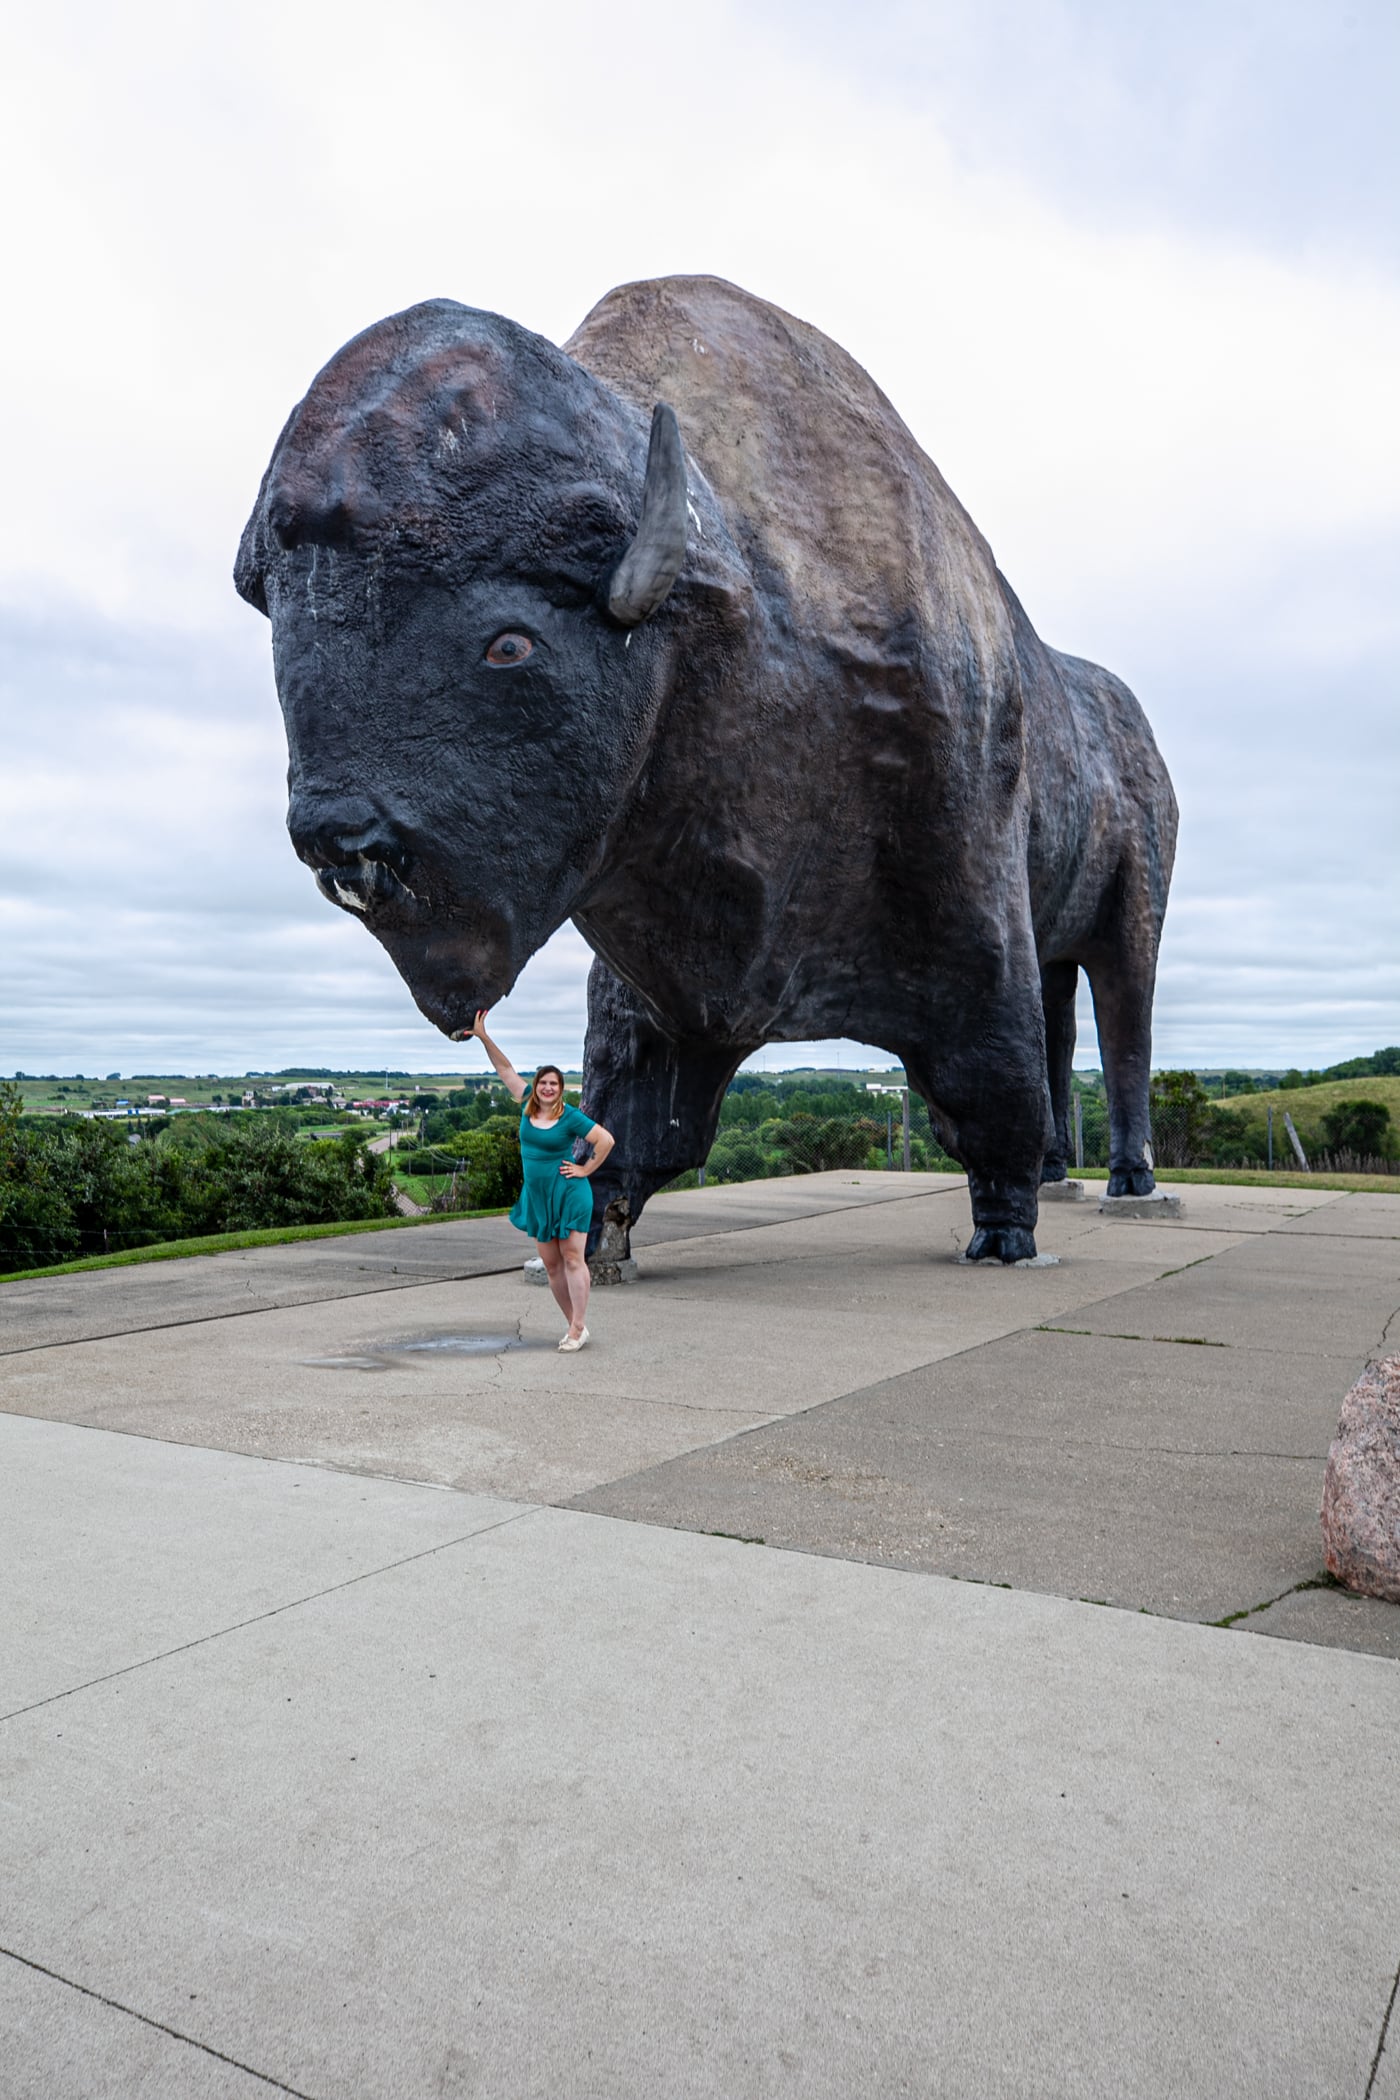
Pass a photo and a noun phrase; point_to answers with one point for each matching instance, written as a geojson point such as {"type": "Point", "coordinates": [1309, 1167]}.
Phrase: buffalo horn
{"type": "Point", "coordinates": [653, 561]}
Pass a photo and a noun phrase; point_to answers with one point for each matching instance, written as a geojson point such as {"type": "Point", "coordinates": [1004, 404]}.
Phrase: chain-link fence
{"type": "Point", "coordinates": [1190, 1130]}
{"type": "Point", "coordinates": [819, 1130]}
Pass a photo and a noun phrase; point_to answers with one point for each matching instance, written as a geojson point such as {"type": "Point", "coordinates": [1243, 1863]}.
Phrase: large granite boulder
{"type": "Point", "coordinates": [1361, 1492]}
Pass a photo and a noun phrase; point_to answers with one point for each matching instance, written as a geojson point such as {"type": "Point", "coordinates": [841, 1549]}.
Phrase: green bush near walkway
{"type": "Point", "coordinates": [75, 1188]}
{"type": "Point", "coordinates": [235, 1242]}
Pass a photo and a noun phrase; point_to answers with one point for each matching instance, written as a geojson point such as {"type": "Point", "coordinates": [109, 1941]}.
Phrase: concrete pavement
{"type": "Point", "coordinates": [338, 1759]}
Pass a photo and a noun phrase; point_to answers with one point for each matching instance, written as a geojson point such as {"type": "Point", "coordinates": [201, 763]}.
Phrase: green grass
{"type": "Point", "coordinates": [1261, 1178]}
{"type": "Point", "coordinates": [421, 1188]}
{"type": "Point", "coordinates": [231, 1242]}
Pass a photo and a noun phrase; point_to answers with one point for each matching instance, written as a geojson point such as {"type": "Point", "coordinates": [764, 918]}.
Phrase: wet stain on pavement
{"type": "Point", "coordinates": [387, 1355]}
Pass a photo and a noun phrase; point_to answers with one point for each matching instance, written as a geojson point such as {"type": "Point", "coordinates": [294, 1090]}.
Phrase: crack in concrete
{"type": "Point", "coordinates": [190, 2041]}
{"type": "Point", "coordinates": [498, 1356]}
{"type": "Point", "coordinates": [1110, 1334]}
{"type": "Point", "coordinates": [292, 1604]}
{"type": "Point", "coordinates": [1380, 2044]}
{"type": "Point", "coordinates": [1175, 1341]}
{"type": "Point", "coordinates": [1104, 1334]}
{"type": "Point", "coordinates": [1324, 1581]}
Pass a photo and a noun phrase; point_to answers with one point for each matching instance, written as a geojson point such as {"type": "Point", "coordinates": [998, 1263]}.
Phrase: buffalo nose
{"type": "Point", "coordinates": [335, 834]}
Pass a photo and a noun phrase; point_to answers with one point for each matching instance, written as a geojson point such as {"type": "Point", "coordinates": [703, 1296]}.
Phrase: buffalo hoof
{"type": "Point", "coordinates": [1054, 1170]}
{"type": "Point", "coordinates": [1004, 1243]}
{"type": "Point", "coordinates": [1132, 1181]}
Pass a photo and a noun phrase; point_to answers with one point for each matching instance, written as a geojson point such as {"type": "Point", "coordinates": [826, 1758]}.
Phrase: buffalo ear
{"type": "Point", "coordinates": [655, 558]}
{"type": "Point", "coordinates": [248, 568]}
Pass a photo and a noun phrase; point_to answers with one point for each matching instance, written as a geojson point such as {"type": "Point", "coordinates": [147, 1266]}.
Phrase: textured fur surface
{"type": "Point", "coordinates": [835, 785]}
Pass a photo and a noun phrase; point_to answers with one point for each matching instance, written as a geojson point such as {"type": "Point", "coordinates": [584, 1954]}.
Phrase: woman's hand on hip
{"type": "Point", "coordinates": [572, 1172]}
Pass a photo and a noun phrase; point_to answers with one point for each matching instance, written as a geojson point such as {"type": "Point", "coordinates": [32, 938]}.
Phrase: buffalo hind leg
{"type": "Point", "coordinates": [659, 1096]}
{"type": "Point", "coordinates": [990, 1097]}
{"type": "Point", "coordinates": [1122, 989]}
{"type": "Point", "coordinates": [1059, 982]}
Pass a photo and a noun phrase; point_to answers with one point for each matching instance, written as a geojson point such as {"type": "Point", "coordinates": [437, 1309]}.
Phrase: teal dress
{"type": "Point", "coordinates": [551, 1204]}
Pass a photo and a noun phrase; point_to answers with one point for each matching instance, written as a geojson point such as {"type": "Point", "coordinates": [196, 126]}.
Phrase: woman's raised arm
{"type": "Point", "coordinates": [505, 1071]}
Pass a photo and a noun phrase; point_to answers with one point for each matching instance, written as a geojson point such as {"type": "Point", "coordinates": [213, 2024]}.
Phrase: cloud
{"type": "Point", "coordinates": [1267, 122]}
{"type": "Point", "coordinates": [1162, 385]}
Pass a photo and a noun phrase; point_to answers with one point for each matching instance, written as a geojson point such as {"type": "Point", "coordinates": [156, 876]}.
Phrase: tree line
{"type": "Point", "coordinates": [72, 1187]}
{"type": "Point", "coordinates": [1381, 1064]}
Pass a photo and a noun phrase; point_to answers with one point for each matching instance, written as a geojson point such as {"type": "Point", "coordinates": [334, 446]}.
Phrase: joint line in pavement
{"type": "Point", "coordinates": [292, 1604]}
{"type": "Point", "coordinates": [278, 2085]}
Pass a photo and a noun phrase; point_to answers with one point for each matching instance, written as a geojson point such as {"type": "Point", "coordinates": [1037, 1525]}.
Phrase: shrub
{"type": "Point", "coordinates": [491, 1156]}
{"type": "Point", "coordinates": [76, 1188]}
{"type": "Point", "coordinates": [1180, 1109]}
{"type": "Point", "coordinates": [1361, 1127]}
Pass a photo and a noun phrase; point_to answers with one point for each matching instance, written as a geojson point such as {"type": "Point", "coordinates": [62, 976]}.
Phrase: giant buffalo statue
{"type": "Point", "coordinates": [735, 684]}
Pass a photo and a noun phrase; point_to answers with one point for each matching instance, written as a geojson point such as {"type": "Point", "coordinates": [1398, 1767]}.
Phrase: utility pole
{"type": "Point", "coordinates": [1079, 1132]}
{"type": "Point", "coordinates": [904, 1097]}
{"type": "Point", "coordinates": [1271, 1136]}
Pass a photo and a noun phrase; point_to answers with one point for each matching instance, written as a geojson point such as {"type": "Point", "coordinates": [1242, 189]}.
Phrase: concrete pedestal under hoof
{"type": "Point", "coordinates": [624, 1271]}
{"type": "Point", "coordinates": [611, 1263]}
{"type": "Point", "coordinates": [1157, 1206]}
{"type": "Point", "coordinates": [1361, 1488]}
{"type": "Point", "coordinates": [534, 1271]}
{"type": "Point", "coordinates": [1031, 1261]}
{"type": "Point", "coordinates": [1062, 1192]}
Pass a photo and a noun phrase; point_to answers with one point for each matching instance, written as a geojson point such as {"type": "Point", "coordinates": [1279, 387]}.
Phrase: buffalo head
{"type": "Point", "coordinates": [458, 541]}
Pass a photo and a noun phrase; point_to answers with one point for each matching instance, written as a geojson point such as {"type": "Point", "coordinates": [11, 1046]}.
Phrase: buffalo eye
{"type": "Point", "coordinates": [509, 649]}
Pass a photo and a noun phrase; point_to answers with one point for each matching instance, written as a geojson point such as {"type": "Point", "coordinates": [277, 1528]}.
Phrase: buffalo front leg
{"type": "Point", "coordinates": [660, 1096]}
{"type": "Point", "coordinates": [1059, 982]}
{"type": "Point", "coordinates": [1122, 988]}
{"type": "Point", "coordinates": [988, 1092]}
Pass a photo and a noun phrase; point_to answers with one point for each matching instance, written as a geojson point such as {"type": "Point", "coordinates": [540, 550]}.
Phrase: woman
{"type": "Point", "coordinates": [556, 1204]}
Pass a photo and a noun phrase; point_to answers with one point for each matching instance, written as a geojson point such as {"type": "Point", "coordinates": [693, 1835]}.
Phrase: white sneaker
{"type": "Point", "coordinates": [568, 1346]}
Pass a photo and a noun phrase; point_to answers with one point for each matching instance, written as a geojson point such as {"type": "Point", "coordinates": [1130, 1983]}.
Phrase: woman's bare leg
{"type": "Point", "coordinates": [552, 1255]}
{"type": "Point", "coordinates": [577, 1279]}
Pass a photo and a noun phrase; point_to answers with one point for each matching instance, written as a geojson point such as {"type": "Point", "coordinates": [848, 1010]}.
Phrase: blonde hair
{"type": "Point", "coordinates": [533, 1104]}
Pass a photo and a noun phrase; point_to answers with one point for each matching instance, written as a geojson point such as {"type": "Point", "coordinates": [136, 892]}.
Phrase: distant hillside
{"type": "Point", "coordinates": [1309, 1104]}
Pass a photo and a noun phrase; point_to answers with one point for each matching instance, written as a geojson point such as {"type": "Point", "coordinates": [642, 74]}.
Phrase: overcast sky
{"type": "Point", "coordinates": [1131, 273]}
